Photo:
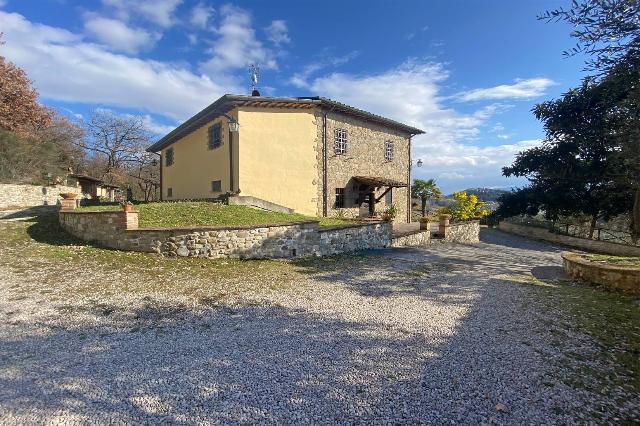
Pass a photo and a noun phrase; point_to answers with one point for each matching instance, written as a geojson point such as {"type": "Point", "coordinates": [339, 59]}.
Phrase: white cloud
{"type": "Point", "coordinates": [237, 45]}
{"type": "Point", "coordinates": [68, 69]}
{"type": "Point", "coordinates": [118, 35]}
{"type": "Point", "coordinates": [521, 89]}
{"type": "Point", "coordinates": [301, 79]}
{"type": "Point", "coordinates": [278, 33]}
{"type": "Point", "coordinates": [200, 15]}
{"type": "Point", "coordinates": [160, 12]}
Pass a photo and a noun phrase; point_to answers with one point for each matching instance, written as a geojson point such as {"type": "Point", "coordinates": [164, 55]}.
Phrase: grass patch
{"type": "Point", "coordinates": [169, 215]}
{"type": "Point", "coordinates": [613, 260]}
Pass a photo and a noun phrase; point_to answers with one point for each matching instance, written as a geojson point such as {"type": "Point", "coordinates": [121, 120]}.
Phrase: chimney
{"type": "Point", "coordinates": [255, 92]}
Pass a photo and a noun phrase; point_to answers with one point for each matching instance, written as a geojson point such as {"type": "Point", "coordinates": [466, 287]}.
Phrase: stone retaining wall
{"type": "Point", "coordinates": [120, 230]}
{"type": "Point", "coordinates": [620, 278]}
{"type": "Point", "coordinates": [412, 239]}
{"type": "Point", "coordinates": [582, 243]}
{"type": "Point", "coordinates": [462, 232]}
{"type": "Point", "coordinates": [14, 195]}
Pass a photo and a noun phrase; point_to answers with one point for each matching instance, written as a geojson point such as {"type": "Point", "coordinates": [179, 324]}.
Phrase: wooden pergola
{"type": "Point", "coordinates": [370, 184]}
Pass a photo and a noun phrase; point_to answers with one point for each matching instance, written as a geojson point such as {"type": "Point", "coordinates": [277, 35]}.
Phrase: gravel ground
{"type": "Point", "coordinates": [449, 334]}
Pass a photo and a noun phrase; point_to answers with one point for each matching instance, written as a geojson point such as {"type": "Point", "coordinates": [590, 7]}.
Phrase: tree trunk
{"type": "Point", "coordinates": [635, 217]}
{"type": "Point", "coordinates": [424, 206]}
{"type": "Point", "coordinates": [592, 226]}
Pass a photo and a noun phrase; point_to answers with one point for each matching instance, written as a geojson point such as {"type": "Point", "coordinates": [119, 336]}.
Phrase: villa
{"type": "Point", "coordinates": [311, 155]}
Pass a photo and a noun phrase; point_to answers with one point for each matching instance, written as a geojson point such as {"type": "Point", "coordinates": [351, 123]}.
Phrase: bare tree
{"type": "Point", "coordinates": [146, 174]}
{"type": "Point", "coordinates": [119, 140]}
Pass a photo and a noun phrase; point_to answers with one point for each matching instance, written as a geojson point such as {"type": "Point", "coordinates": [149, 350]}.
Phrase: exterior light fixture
{"type": "Point", "coordinates": [234, 126]}
{"type": "Point", "coordinates": [154, 162]}
{"type": "Point", "coordinates": [419, 163]}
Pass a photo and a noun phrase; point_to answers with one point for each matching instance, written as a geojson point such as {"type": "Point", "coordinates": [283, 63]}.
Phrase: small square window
{"type": "Point", "coordinates": [339, 198]}
{"type": "Point", "coordinates": [168, 157]}
{"type": "Point", "coordinates": [215, 136]}
{"type": "Point", "coordinates": [169, 192]}
{"type": "Point", "coordinates": [340, 141]}
{"type": "Point", "coordinates": [388, 150]}
{"type": "Point", "coordinates": [216, 185]}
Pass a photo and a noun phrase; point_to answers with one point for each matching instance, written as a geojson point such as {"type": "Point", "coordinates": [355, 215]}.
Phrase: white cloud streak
{"type": "Point", "coordinates": [236, 45]}
{"type": "Point", "coordinates": [278, 33]}
{"type": "Point", "coordinates": [521, 89]}
{"type": "Point", "coordinates": [159, 12]}
{"type": "Point", "coordinates": [68, 69]}
{"type": "Point", "coordinates": [118, 36]}
{"type": "Point", "coordinates": [200, 15]}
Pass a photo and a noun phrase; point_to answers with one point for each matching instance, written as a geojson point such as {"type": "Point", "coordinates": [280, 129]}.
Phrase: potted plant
{"type": "Point", "coordinates": [127, 206]}
{"type": "Point", "coordinates": [425, 222]}
{"type": "Point", "coordinates": [390, 213]}
{"type": "Point", "coordinates": [68, 195]}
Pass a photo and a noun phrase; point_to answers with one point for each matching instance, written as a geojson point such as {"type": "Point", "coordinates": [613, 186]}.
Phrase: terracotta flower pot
{"type": "Point", "coordinates": [425, 224]}
{"type": "Point", "coordinates": [68, 195]}
{"type": "Point", "coordinates": [127, 207]}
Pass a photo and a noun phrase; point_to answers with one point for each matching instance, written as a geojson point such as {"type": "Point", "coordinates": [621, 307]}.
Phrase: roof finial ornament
{"type": "Point", "coordinates": [254, 72]}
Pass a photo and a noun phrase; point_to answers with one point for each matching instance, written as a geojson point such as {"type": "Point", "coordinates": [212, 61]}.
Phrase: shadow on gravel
{"type": "Point", "coordinates": [172, 364]}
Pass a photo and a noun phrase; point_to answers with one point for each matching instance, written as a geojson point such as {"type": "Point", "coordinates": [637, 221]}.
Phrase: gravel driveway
{"type": "Point", "coordinates": [448, 334]}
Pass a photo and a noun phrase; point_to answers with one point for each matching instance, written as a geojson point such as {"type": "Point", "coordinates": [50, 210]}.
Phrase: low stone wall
{"type": "Point", "coordinates": [120, 230]}
{"type": "Point", "coordinates": [412, 239]}
{"type": "Point", "coordinates": [354, 237]}
{"type": "Point", "coordinates": [462, 232]}
{"type": "Point", "coordinates": [14, 195]}
{"type": "Point", "coordinates": [581, 243]}
{"type": "Point", "coordinates": [620, 278]}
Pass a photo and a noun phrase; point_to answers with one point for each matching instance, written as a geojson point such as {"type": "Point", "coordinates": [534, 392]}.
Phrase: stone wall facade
{"type": "Point", "coordinates": [120, 230]}
{"type": "Point", "coordinates": [619, 278]}
{"type": "Point", "coordinates": [15, 195]}
{"type": "Point", "coordinates": [581, 243]}
{"type": "Point", "coordinates": [364, 157]}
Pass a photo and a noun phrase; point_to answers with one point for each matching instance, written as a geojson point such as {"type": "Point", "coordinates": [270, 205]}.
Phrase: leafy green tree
{"type": "Point", "coordinates": [425, 190]}
{"type": "Point", "coordinates": [606, 30]}
{"type": "Point", "coordinates": [573, 172]}
{"type": "Point", "coordinates": [466, 206]}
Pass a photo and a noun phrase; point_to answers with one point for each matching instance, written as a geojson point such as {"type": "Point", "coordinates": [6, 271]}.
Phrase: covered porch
{"type": "Point", "coordinates": [367, 187]}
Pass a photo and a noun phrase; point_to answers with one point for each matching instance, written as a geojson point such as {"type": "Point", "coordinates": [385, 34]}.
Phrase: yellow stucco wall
{"type": "Point", "coordinates": [277, 157]}
{"type": "Point", "coordinates": [195, 165]}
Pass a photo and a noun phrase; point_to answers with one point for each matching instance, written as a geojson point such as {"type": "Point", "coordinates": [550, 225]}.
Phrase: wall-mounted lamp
{"type": "Point", "coordinates": [234, 126]}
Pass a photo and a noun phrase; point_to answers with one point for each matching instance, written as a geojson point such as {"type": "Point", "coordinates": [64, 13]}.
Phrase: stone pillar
{"type": "Point", "coordinates": [130, 220]}
{"type": "Point", "coordinates": [68, 205]}
{"type": "Point", "coordinates": [443, 228]}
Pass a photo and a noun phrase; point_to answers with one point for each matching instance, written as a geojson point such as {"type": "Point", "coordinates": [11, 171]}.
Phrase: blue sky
{"type": "Point", "coordinates": [467, 72]}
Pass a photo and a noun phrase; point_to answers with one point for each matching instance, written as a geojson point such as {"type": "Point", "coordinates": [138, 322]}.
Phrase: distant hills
{"type": "Point", "coordinates": [484, 194]}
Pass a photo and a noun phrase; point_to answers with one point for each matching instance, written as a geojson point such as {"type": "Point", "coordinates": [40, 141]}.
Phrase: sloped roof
{"type": "Point", "coordinates": [228, 102]}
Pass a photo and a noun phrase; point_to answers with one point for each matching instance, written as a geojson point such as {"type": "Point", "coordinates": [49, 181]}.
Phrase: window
{"type": "Point", "coordinates": [169, 192]}
{"type": "Point", "coordinates": [339, 198]}
{"type": "Point", "coordinates": [168, 157]}
{"type": "Point", "coordinates": [215, 136]}
{"type": "Point", "coordinates": [388, 150]}
{"type": "Point", "coordinates": [388, 197]}
{"type": "Point", "coordinates": [216, 186]}
{"type": "Point", "coordinates": [340, 141]}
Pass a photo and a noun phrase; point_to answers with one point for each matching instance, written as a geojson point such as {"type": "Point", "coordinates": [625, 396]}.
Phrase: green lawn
{"type": "Point", "coordinates": [177, 214]}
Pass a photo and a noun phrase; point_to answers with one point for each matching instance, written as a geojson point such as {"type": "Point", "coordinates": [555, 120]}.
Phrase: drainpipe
{"type": "Point", "coordinates": [324, 164]}
{"type": "Point", "coordinates": [409, 184]}
{"type": "Point", "coordinates": [230, 160]}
